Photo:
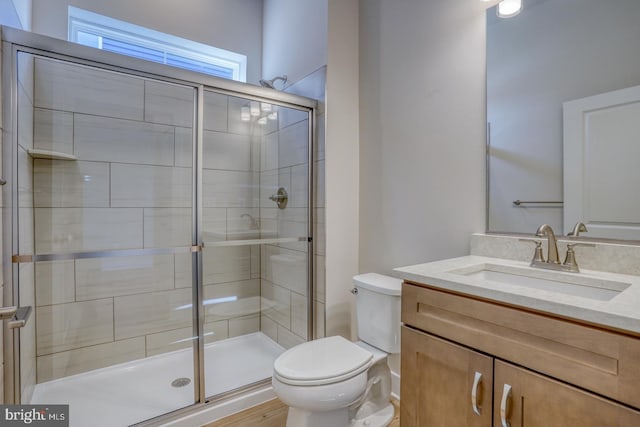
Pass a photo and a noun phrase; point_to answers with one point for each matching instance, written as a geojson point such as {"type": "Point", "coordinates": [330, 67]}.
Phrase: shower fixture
{"type": "Point", "coordinates": [270, 83]}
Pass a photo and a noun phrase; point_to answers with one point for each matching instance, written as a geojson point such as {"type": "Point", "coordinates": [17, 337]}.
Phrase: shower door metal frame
{"type": "Point", "coordinates": [14, 41]}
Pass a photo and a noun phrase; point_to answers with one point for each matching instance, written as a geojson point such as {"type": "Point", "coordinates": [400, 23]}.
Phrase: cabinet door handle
{"type": "Point", "coordinates": [477, 380]}
{"type": "Point", "coordinates": [506, 395]}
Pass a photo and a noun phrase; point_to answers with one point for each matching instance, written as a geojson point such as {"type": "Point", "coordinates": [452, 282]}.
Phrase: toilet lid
{"type": "Point", "coordinates": [324, 361]}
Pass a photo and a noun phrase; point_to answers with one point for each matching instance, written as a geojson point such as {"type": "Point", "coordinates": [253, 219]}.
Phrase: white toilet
{"type": "Point", "coordinates": [334, 382]}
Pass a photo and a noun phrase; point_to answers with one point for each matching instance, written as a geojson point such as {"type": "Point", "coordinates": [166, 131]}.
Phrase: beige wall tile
{"type": "Point", "coordinates": [269, 327]}
{"type": "Point", "coordinates": [184, 147]}
{"type": "Point", "coordinates": [62, 86]}
{"type": "Point", "coordinates": [150, 186]}
{"type": "Point", "coordinates": [288, 339]}
{"type": "Point", "coordinates": [25, 226]}
{"type": "Point", "coordinates": [269, 152]}
{"type": "Point", "coordinates": [25, 119]}
{"type": "Point", "coordinates": [61, 183]}
{"type": "Point", "coordinates": [292, 222]}
{"type": "Point", "coordinates": [226, 264]}
{"type": "Point", "coordinates": [25, 179]}
{"type": "Point", "coordinates": [255, 261]}
{"type": "Point", "coordinates": [69, 326]}
{"type": "Point", "coordinates": [124, 141]}
{"type": "Point", "coordinates": [298, 192]}
{"type": "Point", "coordinates": [276, 303]}
{"type": "Point", "coordinates": [91, 229]}
{"type": "Point", "coordinates": [167, 227]}
{"type": "Point", "coordinates": [53, 130]}
{"type": "Point", "coordinates": [229, 189]}
{"type": "Point", "coordinates": [243, 223]}
{"type": "Point", "coordinates": [108, 277]}
{"type": "Point", "coordinates": [153, 312]}
{"type": "Point", "coordinates": [214, 224]}
{"type": "Point", "coordinates": [215, 111]}
{"type": "Point", "coordinates": [289, 116]}
{"type": "Point", "coordinates": [234, 123]}
{"type": "Point", "coordinates": [168, 103]}
{"type": "Point", "coordinates": [73, 362]}
{"type": "Point", "coordinates": [177, 339]}
{"type": "Point", "coordinates": [231, 300]}
{"type": "Point", "coordinates": [55, 282]}
{"type": "Point", "coordinates": [299, 315]}
{"type": "Point", "coordinates": [244, 325]}
{"type": "Point", "coordinates": [226, 151]}
{"type": "Point", "coordinates": [286, 268]}
{"type": "Point", "coordinates": [25, 72]}
{"type": "Point", "coordinates": [183, 270]}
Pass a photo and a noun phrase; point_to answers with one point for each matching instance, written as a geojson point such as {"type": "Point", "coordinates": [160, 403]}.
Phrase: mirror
{"type": "Point", "coordinates": [563, 54]}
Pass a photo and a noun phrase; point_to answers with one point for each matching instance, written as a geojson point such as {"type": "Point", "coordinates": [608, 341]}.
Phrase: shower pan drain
{"type": "Point", "coordinates": [180, 382]}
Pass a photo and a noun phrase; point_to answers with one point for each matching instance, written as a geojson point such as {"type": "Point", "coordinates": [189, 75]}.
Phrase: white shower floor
{"type": "Point", "coordinates": [132, 392]}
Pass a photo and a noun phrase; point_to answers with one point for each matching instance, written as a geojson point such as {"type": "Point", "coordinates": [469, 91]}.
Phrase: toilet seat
{"type": "Point", "coordinates": [323, 361]}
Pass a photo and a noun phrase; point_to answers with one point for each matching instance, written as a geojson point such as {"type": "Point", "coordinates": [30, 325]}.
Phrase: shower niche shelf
{"type": "Point", "coordinates": [50, 155]}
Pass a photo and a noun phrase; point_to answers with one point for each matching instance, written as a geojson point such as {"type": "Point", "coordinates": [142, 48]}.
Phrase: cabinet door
{"type": "Point", "coordinates": [443, 384]}
{"type": "Point", "coordinates": [525, 399]}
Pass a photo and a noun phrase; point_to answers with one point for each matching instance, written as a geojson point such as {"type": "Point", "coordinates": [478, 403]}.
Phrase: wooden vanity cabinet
{"type": "Point", "coordinates": [449, 340]}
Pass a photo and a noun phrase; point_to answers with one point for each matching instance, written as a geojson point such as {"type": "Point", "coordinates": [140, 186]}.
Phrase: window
{"type": "Point", "coordinates": [102, 32]}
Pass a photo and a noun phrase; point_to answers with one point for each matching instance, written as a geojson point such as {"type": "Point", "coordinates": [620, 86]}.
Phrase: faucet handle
{"type": "Point", "coordinates": [570, 259]}
{"type": "Point", "coordinates": [537, 255]}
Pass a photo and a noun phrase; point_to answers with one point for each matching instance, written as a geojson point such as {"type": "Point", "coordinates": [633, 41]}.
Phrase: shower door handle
{"type": "Point", "coordinates": [17, 317]}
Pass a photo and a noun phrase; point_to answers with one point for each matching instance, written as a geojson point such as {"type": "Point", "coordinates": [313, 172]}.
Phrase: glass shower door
{"type": "Point", "coordinates": [255, 217]}
{"type": "Point", "coordinates": [106, 196]}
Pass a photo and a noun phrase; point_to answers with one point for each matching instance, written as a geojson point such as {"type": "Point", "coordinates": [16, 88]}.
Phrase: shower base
{"type": "Point", "coordinates": [132, 392]}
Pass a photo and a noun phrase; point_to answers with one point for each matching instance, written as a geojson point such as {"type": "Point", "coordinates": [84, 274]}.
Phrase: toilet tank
{"type": "Point", "coordinates": [378, 310]}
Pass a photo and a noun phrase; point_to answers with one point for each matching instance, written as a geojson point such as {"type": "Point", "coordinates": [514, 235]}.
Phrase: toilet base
{"type": "Point", "coordinates": [301, 418]}
{"type": "Point", "coordinates": [382, 418]}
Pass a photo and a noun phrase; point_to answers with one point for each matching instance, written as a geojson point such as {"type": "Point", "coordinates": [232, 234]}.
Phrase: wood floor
{"type": "Point", "coordinates": [271, 414]}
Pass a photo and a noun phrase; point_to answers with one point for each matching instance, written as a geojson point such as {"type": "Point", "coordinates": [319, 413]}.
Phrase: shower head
{"type": "Point", "coordinates": [270, 83]}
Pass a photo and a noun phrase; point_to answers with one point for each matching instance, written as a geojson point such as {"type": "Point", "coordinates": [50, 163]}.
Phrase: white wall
{"type": "Point", "coordinates": [422, 114]}
{"type": "Point", "coordinates": [342, 163]}
{"type": "Point", "coordinates": [234, 25]}
{"type": "Point", "coordinates": [554, 51]}
{"type": "Point", "coordinates": [294, 37]}
{"type": "Point", "coordinates": [16, 13]}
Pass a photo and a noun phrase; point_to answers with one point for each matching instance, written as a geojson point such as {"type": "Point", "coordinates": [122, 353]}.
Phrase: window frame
{"type": "Point", "coordinates": [84, 21]}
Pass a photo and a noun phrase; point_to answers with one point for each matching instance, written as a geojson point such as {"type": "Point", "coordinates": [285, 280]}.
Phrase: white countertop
{"type": "Point", "coordinates": [620, 312]}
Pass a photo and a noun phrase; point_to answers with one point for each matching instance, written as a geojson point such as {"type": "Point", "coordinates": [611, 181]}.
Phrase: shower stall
{"type": "Point", "coordinates": [158, 232]}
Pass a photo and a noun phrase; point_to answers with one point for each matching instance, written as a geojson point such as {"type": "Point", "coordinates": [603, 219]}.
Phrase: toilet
{"type": "Point", "coordinates": [335, 382]}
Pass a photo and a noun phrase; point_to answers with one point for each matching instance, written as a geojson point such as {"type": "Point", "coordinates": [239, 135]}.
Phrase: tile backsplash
{"type": "Point", "coordinates": [604, 256]}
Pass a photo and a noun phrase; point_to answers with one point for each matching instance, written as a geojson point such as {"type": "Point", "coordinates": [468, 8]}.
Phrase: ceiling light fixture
{"type": "Point", "coordinates": [509, 8]}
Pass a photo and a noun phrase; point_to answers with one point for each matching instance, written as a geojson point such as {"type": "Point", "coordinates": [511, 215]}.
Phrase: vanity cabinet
{"type": "Point", "coordinates": [470, 362]}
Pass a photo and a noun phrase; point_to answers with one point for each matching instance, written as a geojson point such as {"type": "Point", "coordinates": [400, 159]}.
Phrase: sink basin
{"type": "Point", "coordinates": [564, 283]}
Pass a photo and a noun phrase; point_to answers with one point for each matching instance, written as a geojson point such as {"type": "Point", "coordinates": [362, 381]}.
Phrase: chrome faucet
{"type": "Point", "coordinates": [577, 229]}
{"type": "Point", "coordinates": [545, 230]}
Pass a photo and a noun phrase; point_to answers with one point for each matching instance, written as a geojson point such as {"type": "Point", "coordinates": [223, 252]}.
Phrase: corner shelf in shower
{"type": "Point", "coordinates": [50, 155]}
{"type": "Point", "coordinates": [274, 241]}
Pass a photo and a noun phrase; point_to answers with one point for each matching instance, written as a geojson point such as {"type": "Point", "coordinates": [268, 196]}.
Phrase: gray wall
{"type": "Point", "coordinates": [422, 113]}
{"type": "Point", "coordinates": [234, 25]}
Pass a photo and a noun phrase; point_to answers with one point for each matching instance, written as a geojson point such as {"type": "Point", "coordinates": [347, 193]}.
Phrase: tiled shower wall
{"type": "Point", "coordinates": [284, 266]}
{"type": "Point", "coordinates": [130, 188]}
